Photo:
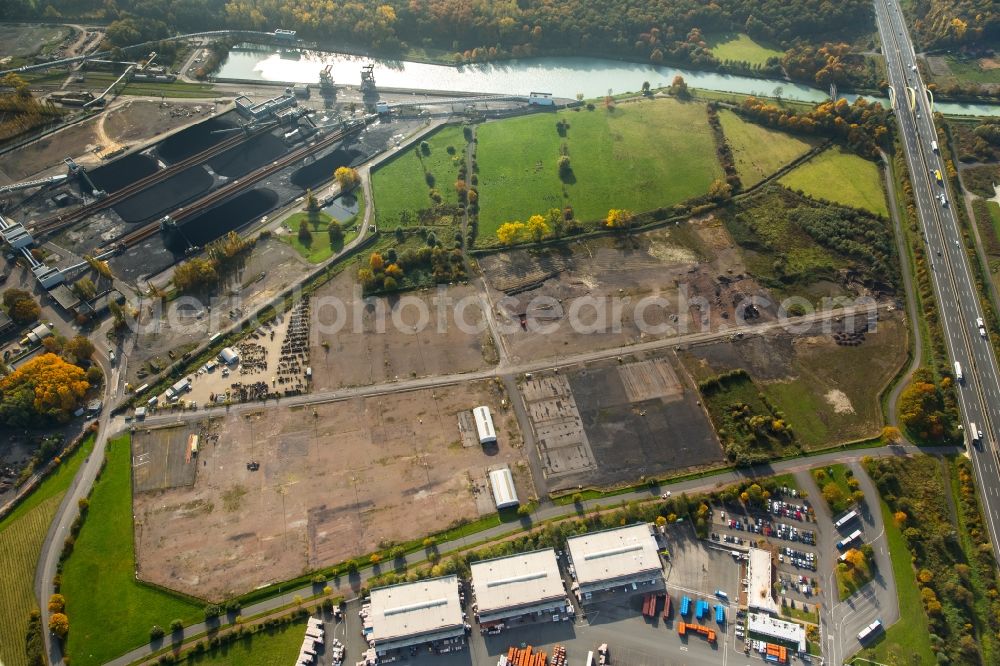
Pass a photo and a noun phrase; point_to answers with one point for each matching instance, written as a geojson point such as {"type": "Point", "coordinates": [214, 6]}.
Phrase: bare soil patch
{"type": "Point", "coordinates": [384, 339]}
{"type": "Point", "coordinates": [335, 481]}
{"type": "Point", "coordinates": [619, 291]}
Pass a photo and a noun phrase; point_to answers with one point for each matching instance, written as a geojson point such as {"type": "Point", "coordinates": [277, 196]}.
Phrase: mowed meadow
{"type": "Point", "coordinates": [640, 155]}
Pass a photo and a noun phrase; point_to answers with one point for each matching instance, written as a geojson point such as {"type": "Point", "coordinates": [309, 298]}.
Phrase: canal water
{"type": "Point", "coordinates": [560, 76]}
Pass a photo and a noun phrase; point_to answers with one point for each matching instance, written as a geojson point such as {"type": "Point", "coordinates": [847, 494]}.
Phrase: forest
{"type": "Point", "coordinates": [670, 31]}
{"type": "Point", "coordinates": [941, 23]}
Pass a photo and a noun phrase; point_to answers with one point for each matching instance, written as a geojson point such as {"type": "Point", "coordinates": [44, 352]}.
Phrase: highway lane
{"type": "Point", "coordinates": [979, 390]}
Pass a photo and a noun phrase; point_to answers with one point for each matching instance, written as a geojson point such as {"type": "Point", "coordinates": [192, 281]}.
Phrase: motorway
{"type": "Point", "coordinates": [979, 392]}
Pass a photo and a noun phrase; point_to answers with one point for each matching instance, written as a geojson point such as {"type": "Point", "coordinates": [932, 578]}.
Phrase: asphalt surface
{"type": "Point", "coordinates": [979, 392]}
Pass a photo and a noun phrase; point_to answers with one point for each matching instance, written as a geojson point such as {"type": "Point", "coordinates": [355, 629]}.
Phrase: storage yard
{"type": "Point", "coordinates": [289, 490]}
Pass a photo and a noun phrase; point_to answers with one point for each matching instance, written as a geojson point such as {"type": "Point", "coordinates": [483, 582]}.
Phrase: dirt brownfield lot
{"type": "Point", "coordinates": [335, 482]}
{"type": "Point", "coordinates": [828, 392]}
{"type": "Point", "coordinates": [179, 327]}
{"type": "Point", "coordinates": [382, 341]}
{"type": "Point", "coordinates": [682, 265]}
{"type": "Point", "coordinates": [608, 423]}
{"type": "Point", "coordinates": [131, 122]}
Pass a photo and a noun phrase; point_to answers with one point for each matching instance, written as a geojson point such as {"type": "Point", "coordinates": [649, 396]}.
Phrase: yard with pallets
{"type": "Point", "coordinates": [760, 151]}
{"type": "Point", "coordinates": [109, 611]}
{"type": "Point", "coordinates": [21, 536]}
{"type": "Point", "coordinates": [638, 155]}
{"type": "Point", "coordinates": [842, 177]}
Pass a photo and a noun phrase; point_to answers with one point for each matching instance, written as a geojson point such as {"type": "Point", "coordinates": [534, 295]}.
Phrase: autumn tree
{"type": "Point", "coordinates": [720, 190]}
{"type": "Point", "coordinates": [376, 262]}
{"type": "Point", "coordinates": [565, 167]}
{"type": "Point", "coordinates": [57, 603]}
{"type": "Point", "coordinates": [59, 624]}
{"type": "Point", "coordinates": [679, 87]}
{"type": "Point", "coordinates": [619, 218]}
{"type": "Point", "coordinates": [21, 307]}
{"type": "Point", "coordinates": [44, 388]}
{"type": "Point", "coordinates": [510, 232]}
{"type": "Point", "coordinates": [347, 178]}
{"type": "Point", "coordinates": [195, 274]}
{"type": "Point", "coordinates": [366, 277]}
{"type": "Point", "coordinates": [78, 349]}
{"type": "Point", "coordinates": [833, 494]}
{"type": "Point", "coordinates": [100, 266]}
{"type": "Point", "coordinates": [537, 228]}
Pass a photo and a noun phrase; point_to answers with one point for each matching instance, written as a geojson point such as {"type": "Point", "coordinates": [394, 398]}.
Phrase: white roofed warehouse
{"type": "Point", "coordinates": [504, 492]}
{"type": "Point", "coordinates": [524, 586]}
{"type": "Point", "coordinates": [760, 588]}
{"type": "Point", "coordinates": [484, 425]}
{"type": "Point", "coordinates": [427, 611]}
{"type": "Point", "coordinates": [615, 558]}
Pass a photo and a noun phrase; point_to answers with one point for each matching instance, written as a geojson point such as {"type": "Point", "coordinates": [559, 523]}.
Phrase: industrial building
{"type": "Point", "coordinates": [266, 109]}
{"type": "Point", "coordinates": [519, 587]}
{"type": "Point", "coordinates": [427, 611]}
{"type": "Point", "coordinates": [504, 493]}
{"type": "Point", "coordinates": [484, 425]}
{"type": "Point", "coordinates": [763, 627]}
{"type": "Point", "coordinates": [759, 582]}
{"type": "Point", "coordinates": [228, 356]}
{"type": "Point", "coordinates": [622, 557]}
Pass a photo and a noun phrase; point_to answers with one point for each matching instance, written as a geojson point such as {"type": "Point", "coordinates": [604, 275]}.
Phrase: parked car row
{"type": "Point", "coordinates": [786, 510]}
{"type": "Point", "coordinates": [798, 558]}
{"type": "Point", "coordinates": [790, 533]}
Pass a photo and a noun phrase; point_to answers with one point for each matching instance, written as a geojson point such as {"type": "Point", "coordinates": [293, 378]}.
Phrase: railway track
{"type": "Point", "coordinates": [58, 222]}
{"type": "Point", "coordinates": [244, 183]}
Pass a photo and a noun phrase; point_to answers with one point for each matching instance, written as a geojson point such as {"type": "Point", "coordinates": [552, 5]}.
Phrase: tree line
{"type": "Point", "coordinates": [658, 30]}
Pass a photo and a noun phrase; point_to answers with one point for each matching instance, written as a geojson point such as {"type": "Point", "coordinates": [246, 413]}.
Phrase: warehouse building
{"type": "Point", "coordinates": [228, 356]}
{"type": "Point", "coordinates": [524, 587]}
{"type": "Point", "coordinates": [624, 557]}
{"type": "Point", "coordinates": [484, 425]}
{"type": "Point", "coordinates": [504, 492]}
{"type": "Point", "coordinates": [759, 582]}
{"type": "Point", "coordinates": [763, 627]}
{"type": "Point", "coordinates": [428, 611]}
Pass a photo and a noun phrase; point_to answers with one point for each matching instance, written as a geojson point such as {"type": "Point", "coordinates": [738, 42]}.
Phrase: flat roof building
{"type": "Point", "coordinates": [504, 492]}
{"type": "Point", "coordinates": [615, 557]}
{"type": "Point", "coordinates": [414, 613]}
{"type": "Point", "coordinates": [518, 585]}
{"type": "Point", "coordinates": [759, 580]}
{"type": "Point", "coordinates": [484, 425]}
{"type": "Point", "coordinates": [761, 626]}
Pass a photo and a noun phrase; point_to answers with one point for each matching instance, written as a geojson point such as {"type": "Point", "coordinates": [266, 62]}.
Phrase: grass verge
{"type": "Point", "coordinates": [109, 610]}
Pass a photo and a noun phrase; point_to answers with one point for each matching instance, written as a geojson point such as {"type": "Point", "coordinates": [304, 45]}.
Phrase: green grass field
{"type": "Point", "coordinates": [280, 646]}
{"type": "Point", "coordinates": [994, 209]}
{"type": "Point", "coordinates": [400, 185]}
{"type": "Point", "coordinates": [641, 156]}
{"type": "Point", "coordinates": [907, 641]}
{"type": "Point", "coordinates": [759, 151]}
{"type": "Point", "coordinates": [319, 250]}
{"type": "Point", "coordinates": [840, 176]}
{"type": "Point", "coordinates": [972, 71]}
{"type": "Point", "coordinates": [741, 48]}
{"type": "Point", "coordinates": [109, 611]}
{"type": "Point", "coordinates": [21, 537]}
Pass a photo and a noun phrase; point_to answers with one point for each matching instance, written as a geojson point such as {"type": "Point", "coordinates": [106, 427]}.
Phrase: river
{"type": "Point", "coordinates": [560, 76]}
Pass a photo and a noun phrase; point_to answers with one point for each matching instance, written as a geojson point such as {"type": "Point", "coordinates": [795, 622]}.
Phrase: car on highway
{"type": "Point", "coordinates": [981, 325]}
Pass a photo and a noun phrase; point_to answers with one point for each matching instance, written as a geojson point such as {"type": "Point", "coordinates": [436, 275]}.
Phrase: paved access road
{"type": "Point", "coordinates": [979, 390]}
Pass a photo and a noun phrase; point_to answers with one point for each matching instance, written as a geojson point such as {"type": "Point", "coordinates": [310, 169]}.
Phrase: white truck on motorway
{"type": "Point", "coordinates": [958, 371]}
{"type": "Point", "coordinates": [981, 325]}
{"type": "Point", "coordinates": [934, 146]}
{"type": "Point", "coordinates": [974, 434]}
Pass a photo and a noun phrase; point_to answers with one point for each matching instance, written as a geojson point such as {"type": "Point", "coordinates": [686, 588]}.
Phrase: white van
{"type": "Point", "coordinates": [958, 371]}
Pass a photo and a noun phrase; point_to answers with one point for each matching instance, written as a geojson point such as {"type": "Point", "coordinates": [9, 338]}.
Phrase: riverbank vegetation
{"type": "Point", "coordinates": [661, 31]}
{"type": "Point", "coordinates": [109, 610]}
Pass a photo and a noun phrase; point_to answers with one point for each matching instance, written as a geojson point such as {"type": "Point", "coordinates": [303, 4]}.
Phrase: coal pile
{"type": "Point", "coordinates": [115, 175]}
{"type": "Point", "coordinates": [248, 156]}
{"type": "Point", "coordinates": [323, 168]}
{"type": "Point", "coordinates": [169, 195]}
{"type": "Point", "coordinates": [193, 140]}
{"type": "Point", "coordinates": [222, 219]}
